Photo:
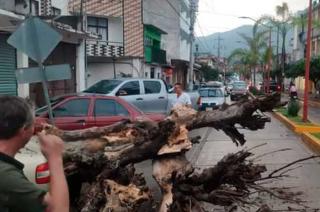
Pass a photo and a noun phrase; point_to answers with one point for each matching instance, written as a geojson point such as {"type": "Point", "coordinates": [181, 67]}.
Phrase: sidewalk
{"type": "Point", "coordinates": [277, 136]}
{"type": "Point", "coordinates": [314, 108]}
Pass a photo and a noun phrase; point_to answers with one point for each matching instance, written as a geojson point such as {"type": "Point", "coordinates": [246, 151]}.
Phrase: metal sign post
{"type": "Point", "coordinates": [46, 92]}
{"type": "Point", "coordinates": [37, 39]}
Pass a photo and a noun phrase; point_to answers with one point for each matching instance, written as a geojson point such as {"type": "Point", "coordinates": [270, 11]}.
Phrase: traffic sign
{"type": "Point", "coordinates": [35, 38]}
{"type": "Point", "coordinates": [53, 72]}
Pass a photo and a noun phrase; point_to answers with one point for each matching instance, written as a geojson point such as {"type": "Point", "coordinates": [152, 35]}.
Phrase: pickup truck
{"type": "Point", "coordinates": [149, 95]}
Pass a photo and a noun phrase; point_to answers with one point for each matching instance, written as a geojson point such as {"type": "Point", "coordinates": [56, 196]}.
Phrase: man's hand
{"type": "Point", "coordinates": [57, 199]}
{"type": "Point", "coordinates": [51, 145]}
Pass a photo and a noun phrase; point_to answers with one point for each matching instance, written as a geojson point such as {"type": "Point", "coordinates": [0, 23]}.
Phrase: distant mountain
{"type": "Point", "coordinates": [232, 40]}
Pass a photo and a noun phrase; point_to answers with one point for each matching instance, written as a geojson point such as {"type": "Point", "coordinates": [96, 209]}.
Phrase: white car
{"type": "Point", "coordinates": [36, 167]}
{"type": "Point", "coordinates": [211, 98]}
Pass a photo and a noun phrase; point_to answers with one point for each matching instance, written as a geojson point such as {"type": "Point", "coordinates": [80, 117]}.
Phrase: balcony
{"type": "Point", "coordinates": [155, 55]}
{"type": "Point", "coordinates": [104, 49]}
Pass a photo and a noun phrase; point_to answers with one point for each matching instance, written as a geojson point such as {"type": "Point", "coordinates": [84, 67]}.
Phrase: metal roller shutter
{"type": "Point", "coordinates": [8, 82]}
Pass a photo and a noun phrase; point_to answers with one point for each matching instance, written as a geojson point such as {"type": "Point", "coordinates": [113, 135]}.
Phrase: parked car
{"type": "Point", "coordinates": [211, 98]}
{"type": "Point", "coordinates": [36, 167]}
{"type": "Point", "coordinates": [214, 84]}
{"type": "Point", "coordinates": [239, 90]}
{"type": "Point", "coordinates": [273, 86]}
{"type": "Point", "coordinates": [149, 95]}
{"type": "Point", "coordinates": [80, 111]}
{"type": "Point", "coordinates": [72, 112]}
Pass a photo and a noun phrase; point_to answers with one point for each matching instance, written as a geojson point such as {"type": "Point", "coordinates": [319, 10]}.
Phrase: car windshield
{"type": "Point", "coordinates": [239, 85]}
{"type": "Point", "coordinates": [103, 86]}
{"type": "Point", "coordinates": [44, 109]}
{"type": "Point", "coordinates": [211, 93]}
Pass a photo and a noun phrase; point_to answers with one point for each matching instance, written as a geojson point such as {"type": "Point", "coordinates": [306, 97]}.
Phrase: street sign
{"type": "Point", "coordinates": [35, 38]}
{"type": "Point", "coordinates": [53, 72]}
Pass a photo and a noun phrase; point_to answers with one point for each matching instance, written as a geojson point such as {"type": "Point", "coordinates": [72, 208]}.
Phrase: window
{"type": "Point", "coordinates": [130, 88]}
{"type": "Point", "coordinates": [73, 108]}
{"type": "Point", "coordinates": [151, 87]}
{"type": "Point", "coordinates": [103, 86]}
{"type": "Point", "coordinates": [98, 26]}
{"type": "Point", "coordinates": [107, 107]}
{"type": "Point", "coordinates": [148, 41]}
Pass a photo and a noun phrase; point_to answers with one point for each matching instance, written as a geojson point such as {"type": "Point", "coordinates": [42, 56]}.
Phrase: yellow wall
{"type": "Point", "coordinates": [299, 82]}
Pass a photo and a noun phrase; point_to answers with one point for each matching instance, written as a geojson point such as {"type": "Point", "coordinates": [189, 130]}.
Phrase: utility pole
{"type": "Point", "coordinates": [269, 60]}
{"type": "Point", "coordinates": [219, 39]}
{"type": "Point", "coordinates": [308, 54]}
{"type": "Point", "coordinates": [219, 47]}
{"type": "Point", "coordinates": [192, 21]}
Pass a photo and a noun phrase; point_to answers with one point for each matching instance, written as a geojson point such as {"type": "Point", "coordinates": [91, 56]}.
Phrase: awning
{"type": "Point", "coordinates": [9, 21]}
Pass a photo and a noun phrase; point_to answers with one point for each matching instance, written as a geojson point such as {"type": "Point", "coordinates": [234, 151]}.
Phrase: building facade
{"type": "Point", "coordinates": [137, 38]}
{"type": "Point", "coordinates": [69, 51]}
{"type": "Point", "coordinates": [300, 41]}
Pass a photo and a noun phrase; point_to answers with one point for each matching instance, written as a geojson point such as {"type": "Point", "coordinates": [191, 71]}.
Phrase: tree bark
{"type": "Point", "coordinates": [103, 157]}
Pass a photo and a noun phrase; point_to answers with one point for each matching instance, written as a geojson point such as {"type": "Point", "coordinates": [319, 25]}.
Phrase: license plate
{"type": "Point", "coordinates": [208, 108]}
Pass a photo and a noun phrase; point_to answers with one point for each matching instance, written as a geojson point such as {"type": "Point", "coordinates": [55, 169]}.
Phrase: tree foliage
{"type": "Point", "coordinates": [253, 55]}
{"type": "Point", "coordinates": [297, 69]}
{"type": "Point", "coordinates": [209, 73]}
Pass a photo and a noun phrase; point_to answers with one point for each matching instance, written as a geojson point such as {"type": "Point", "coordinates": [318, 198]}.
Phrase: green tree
{"type": "Point", "coordinates": [282, 22]}
{"type": "Point", "coordinates": [298, 69]}
{"type": "Point", "coordinates": [253, 55]}
{"type": "Point", "coordinates": [209, 73]}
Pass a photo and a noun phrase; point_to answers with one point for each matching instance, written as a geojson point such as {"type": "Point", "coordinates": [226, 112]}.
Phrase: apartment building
{"type": "Point", "coordinates": [137, 38]}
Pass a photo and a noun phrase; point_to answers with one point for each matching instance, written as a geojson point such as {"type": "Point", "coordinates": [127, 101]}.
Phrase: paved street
{"type": "Point", "coordinates": [276, 136]}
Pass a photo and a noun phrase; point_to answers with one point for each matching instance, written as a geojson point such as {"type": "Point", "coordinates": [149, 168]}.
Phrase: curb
{"type": "Point", "coordinates": [312, 141]}
{"type": "Point", "coordinates": [299, 129]}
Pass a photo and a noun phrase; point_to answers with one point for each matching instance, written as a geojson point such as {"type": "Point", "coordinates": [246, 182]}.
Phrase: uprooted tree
{"type": "Point", "coordinates": [103, 158]}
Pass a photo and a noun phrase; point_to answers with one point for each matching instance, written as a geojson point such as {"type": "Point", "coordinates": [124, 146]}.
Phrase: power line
{"type": "Point", "coordinates": [206, 46]}
{"type": "Point", "coordinates": [178, 13]}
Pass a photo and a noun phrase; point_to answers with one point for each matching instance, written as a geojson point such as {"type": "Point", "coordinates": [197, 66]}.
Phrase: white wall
{"type": "Point", "coordinates": [115, 29]}
{"type": "Point", "coordinates": [99, 71]}
{"type": "Point", "coordinates": [185, 26]}
{"type": "Point", "coordinates": [23, 62]}
{"type": "Point", "coordinates": [80, 64]}
{"type": "Point", "coordinates": [61, 4]}
{"type": "Point", "coordinates": [157, 71]}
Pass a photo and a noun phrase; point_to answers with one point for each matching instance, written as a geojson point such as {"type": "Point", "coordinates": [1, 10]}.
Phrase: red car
{"type": "Point", "coordinates": [80, 111]}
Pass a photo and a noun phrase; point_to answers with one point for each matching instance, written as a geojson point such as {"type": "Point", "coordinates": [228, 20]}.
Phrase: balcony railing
{"type": "Point", "coordinates": [155, 55]}
{"type": "Point", "coordinates": [104, 49]}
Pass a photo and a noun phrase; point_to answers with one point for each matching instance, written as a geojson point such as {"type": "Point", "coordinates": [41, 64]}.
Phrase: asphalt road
{"type": "Point", "coordinates": [276, 136]}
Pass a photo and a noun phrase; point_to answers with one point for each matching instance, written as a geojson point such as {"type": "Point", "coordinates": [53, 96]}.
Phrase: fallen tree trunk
{"type": "Point", "coordinates": [102, 158]}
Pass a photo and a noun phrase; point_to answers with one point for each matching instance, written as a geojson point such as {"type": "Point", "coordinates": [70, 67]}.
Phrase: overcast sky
{"type": "Point", "coordinates": [222, 15]}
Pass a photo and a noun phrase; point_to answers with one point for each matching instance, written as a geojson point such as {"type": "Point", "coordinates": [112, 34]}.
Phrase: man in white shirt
{"type": "Point", "coordinates": [182, 98]}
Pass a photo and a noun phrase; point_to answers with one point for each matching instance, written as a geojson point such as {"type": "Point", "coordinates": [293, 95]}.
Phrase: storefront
{"type": "Point", "coordinates": [8, 82]}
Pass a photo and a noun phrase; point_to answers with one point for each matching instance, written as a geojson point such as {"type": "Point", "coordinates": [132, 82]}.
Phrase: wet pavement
{"type": "Point", "coordinates": [275, 136]}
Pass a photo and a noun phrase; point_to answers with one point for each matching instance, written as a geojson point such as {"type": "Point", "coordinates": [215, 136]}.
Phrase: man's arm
{"type": "Point", "coordinates": [58, 197]}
